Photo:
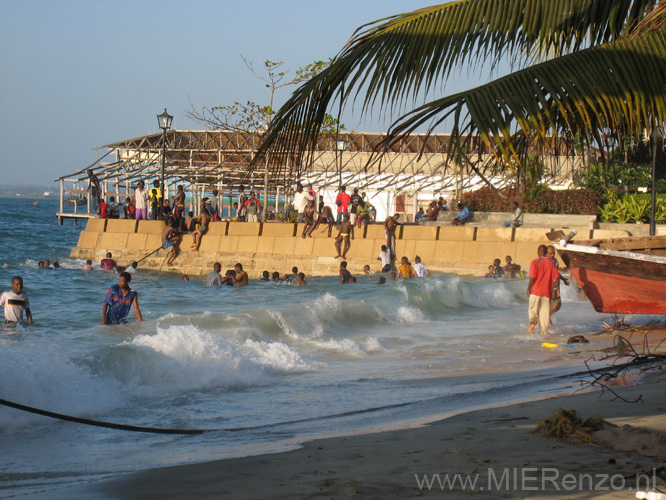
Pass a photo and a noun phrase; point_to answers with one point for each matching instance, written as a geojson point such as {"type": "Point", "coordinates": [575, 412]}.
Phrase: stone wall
{"type": "Point", "coordinates": [279, 247]}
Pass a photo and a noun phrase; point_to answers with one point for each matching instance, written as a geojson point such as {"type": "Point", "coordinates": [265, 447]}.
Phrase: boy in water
{"type": "Point", "coordinates": [15, 301]}
{"type": "Point", "coordinates": [345, 275]}
{"type": "Point", "coordinates": [346, 229]}
{"type": "Point", "coordinates": [109, 264]}
{"type": "Point", "coordinates": [406, 270]}
{"type": "Point", "coordinates": [119, 300]}
{"type": "Point", "coordinates": [300, 279]}
{"type": "Point", "coordinates": [241, 276]}
{"type": "Point", "coordinates": [169, 240]}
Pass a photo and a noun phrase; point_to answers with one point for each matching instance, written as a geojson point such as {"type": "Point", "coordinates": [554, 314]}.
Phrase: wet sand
{"type": "Point", "coordinates": [494, 445]}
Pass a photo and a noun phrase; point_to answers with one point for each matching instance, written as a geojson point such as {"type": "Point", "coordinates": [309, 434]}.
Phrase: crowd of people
{"type": "Point", "coordinates": [543, 288]}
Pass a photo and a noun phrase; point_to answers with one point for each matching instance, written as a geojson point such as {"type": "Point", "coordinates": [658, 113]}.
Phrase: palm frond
{"type": "Point", "coordinates": [393, 61]}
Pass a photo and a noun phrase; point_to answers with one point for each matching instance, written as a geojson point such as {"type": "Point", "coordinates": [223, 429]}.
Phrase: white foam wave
{"type": "Point", "coordinates": [45, 375]}
{"type": "Point", "coordinates": [183, 357]}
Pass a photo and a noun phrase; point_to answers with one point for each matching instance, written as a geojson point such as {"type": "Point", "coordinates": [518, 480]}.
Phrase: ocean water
{"type": "Point", "coordinates": [260, 368]}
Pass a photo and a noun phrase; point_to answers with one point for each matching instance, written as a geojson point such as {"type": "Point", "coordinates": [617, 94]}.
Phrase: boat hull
{"type": "Point", "coordinates": [622, 284]}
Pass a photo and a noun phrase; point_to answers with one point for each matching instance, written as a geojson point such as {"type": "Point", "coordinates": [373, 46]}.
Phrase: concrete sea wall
{"type": "Point", "coordinates": [279, 246]}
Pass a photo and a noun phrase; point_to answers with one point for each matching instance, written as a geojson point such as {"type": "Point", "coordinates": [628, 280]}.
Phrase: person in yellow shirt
{"type": "Point", "coordinates": [241, 276]}
{"type": "Point", "coordinates": [406, 270]}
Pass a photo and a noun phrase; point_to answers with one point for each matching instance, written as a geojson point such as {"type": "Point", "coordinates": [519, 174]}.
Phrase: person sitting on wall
{"type": "Point", "coordinates": [419, 215]}
{"type": "Point", "coordinates": [433, 211]}
{"type": "Point", "coordinates": [517, 217]}
{"type": "Point", "coordinates": [462, 218]}
{"type": "Point", "coordinates": [325, 217]}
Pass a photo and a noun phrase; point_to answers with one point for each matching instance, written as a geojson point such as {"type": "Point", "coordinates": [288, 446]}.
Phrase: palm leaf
{"type": "Point", "coordinates": [395, 61]}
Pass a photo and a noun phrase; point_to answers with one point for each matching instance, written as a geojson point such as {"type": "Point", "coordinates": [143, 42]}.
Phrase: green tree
{"type": "Point", "coordinates": [580, 66]}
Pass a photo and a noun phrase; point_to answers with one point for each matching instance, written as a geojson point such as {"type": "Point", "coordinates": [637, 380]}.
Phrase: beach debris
{"type": "Point", "coordinates": [566, 425]}
{"type": "Point", "coordinates": [577, 339]}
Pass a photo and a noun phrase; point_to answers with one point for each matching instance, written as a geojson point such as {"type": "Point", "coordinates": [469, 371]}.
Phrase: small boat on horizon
{"type": "Point", "coordinates": [75, 199]}
{"type": "Point", "coordinates": [618, 275]}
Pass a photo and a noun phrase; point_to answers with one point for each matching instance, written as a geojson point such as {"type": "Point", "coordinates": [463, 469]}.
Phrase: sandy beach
{"type": "Point", "coordinates": [493, 451]}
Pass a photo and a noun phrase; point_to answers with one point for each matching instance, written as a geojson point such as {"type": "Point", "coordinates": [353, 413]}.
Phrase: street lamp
{"type": "Point", "coordinates": [340, 146]}
{"type": "Point", "coordinates": [164, 121]}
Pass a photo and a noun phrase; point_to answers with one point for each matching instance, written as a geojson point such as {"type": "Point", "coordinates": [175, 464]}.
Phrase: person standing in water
{"type": "Point", "coordinates": [15, 301]}
{"type": "Point", "coordinates": [543, 276]}
{"type": "Point", "coordinates": [119, 300]}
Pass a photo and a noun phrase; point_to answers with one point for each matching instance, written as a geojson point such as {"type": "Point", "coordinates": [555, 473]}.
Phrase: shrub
{"type": "Point", "coordinates": [487, 200]}
{"type": "Point", "coordinates": [632, 208]}
{"type": "Point", "coordinates": [568, 201]}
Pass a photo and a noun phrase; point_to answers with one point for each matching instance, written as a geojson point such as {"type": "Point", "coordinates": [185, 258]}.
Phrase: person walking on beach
{"type": "Point", "coordinates": [15, 301]}
{"type": "Point", "coordinates": [169, 240]}
{"type": "Point", "coordinates": [95, 190]}
{"type": "Point", "coordinates": [543, 275]}
{"type": "Point", "coordinates": [141, 201]}
{"type": "Point", "coordinates": [346, 230]}
{"type": "Point", "coordinates": [119, 300]}
{"type": "Point", "coordinates": [390, 225]}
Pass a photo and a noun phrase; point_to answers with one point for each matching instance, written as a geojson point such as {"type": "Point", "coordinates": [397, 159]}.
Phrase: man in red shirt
{"type": "Point", "coordinates": [543, 276]}
{"type": "Point", "coordinates": [342, 201]}
{"type": "Point", "coordinates": [108, 264]}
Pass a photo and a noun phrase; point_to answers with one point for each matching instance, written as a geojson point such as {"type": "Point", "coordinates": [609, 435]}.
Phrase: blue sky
{"type": "Point", "coordinates": [78, 74]}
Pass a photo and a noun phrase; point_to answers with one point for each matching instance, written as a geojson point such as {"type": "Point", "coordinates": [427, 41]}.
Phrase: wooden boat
{"type": "Point", "coordinates": [618, 275]}
{"type": "Point", "coordinates": [74, 199]}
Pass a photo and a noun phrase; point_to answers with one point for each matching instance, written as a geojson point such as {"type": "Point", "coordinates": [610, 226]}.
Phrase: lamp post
{"type": "Point", "coordinates": [164, 121]}
{"type": "Point", "coordinates": [340, 146]}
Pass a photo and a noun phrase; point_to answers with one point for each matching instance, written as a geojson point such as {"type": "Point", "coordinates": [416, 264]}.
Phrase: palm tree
{"type": "Point", "coordinates": [582, 66]}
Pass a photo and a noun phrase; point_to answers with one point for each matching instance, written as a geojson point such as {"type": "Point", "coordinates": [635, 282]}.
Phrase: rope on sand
{"type": "Point", "coordinates": [109, 425]}
{"type": "Point", "coordinates": [567, 425]}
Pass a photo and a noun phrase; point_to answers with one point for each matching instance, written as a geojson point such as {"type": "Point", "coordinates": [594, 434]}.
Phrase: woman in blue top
{"type": "Point", "coordinates": [119, 299]}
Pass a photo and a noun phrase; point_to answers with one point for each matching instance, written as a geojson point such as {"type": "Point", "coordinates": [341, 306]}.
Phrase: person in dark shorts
{"type": "Point", "coordinates": [119, 300]}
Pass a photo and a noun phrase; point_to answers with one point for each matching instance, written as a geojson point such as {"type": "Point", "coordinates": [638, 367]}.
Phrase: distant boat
{"type": "Point", "coordinates": [618, 275]}
{"type": "Point", "coordinates": [75, 199]}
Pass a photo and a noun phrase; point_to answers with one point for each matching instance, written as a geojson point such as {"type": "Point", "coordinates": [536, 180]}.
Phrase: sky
{"type": "Point", "coordinates": [76, 75]}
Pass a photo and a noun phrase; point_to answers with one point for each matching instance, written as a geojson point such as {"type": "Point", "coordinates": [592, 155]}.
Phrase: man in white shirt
{"type": "Point", "coordinates": [420, 269]}
{"type": "Point", "coordinates": [516, 218]}
{"type": "Point", "coordinates": [15, 301]}
{"type": "Point", "coordinates": [301, 199]}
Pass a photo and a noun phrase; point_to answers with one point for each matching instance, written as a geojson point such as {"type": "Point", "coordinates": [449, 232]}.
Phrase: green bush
{"type": "Point", "coordinates": [487, 200]}
{"type": "Point", "coordinates": [630, 208]}
{"type": "Point", "coordinates": [570, 201]}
